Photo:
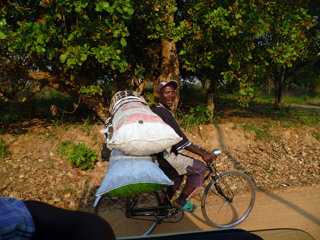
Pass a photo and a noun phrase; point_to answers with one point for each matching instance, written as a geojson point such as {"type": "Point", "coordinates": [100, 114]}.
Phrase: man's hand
{"type": "Point", "coordinates": [208, 157]}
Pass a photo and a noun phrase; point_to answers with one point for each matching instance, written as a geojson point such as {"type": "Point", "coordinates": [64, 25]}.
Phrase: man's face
{"type": "Point", "coordinates": [167, 95]}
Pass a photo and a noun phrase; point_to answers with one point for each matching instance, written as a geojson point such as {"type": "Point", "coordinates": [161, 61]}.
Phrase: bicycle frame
{"type": "Point", "coordinates": [160, 212]}
{"type": "Point", "coordinates": [215, 176]}
{"type": "Point", "coordinates": [132, 212]}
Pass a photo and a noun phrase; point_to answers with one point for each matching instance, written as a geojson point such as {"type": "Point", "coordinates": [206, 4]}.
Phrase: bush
{"type": "Point", "coordinates": [198, 115]}
{"type": "Point", "coordinates": [4, 151]}
{"type": "Point", "coordinates": [78, 155]}
{"type": "Point", "coordinates": [10, 118]}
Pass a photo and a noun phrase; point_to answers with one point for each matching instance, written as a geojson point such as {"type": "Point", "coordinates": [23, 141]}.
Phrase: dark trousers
{"type": "Point", "coordinates": [54, 223]}
{"type": "Point", "coordinates": [195, 175]}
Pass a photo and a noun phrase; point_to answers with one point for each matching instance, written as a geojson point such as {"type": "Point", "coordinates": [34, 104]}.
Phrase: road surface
{"type": "Point", "coordinates": [297, 208]}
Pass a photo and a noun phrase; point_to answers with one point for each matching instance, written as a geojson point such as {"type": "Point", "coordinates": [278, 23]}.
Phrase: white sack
{"type": "Point", "coordinates": [140, 132]}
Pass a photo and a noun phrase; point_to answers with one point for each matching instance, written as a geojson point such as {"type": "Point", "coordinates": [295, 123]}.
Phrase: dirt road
{"type": "Point", "coordinates": [297, 208]}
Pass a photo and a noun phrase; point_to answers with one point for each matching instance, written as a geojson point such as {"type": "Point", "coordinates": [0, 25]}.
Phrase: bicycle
{"type": "Point", "coordinates": [227, 201]}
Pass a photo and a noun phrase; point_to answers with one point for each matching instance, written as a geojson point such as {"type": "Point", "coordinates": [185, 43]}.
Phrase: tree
{"type": "Point", "coordinates": [284, 48]}
{"type": "Point", "coordinates": [241, 39]}
{"type": "Point", "coordinates": [68, 43]}
{"type": "Point", "coordinates": [84, 47]}
{"type": "Point", "coordinates": [81, 47]}
{"type": "Point", "coordinates": [220, 42]}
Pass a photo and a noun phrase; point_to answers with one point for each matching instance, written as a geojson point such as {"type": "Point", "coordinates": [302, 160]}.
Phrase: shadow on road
{"type": "Point", "coordinates": [238, 166]}
{"type": "Point", "coordinates": [296, 208]}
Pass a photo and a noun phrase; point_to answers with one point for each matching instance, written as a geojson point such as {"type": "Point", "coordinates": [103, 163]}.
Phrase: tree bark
{"type": "Point", "coordinates": [147, 78]}
{"type": "Point", "coordinates": [170, 66]}
{"type": "Point", "coordinates": [210, 97]}
{"type": "Point", "coordinates": [279, 82]}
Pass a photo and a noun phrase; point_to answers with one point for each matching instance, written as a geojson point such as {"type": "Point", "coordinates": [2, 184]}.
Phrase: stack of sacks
{"type": "Point", "coordinates": [133, 133]}
{"type": "Point", "coordinates": [136, 130]}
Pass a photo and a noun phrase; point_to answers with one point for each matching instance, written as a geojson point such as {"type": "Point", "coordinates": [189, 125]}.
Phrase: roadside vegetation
{"type": "Point", "coordinates": [192, 113]}
{"type": "Point", "coordinates": [62, 152]}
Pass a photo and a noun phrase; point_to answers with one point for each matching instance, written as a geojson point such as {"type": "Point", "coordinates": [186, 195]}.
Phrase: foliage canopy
{"type": "Point", "coordinates": [81, 47]}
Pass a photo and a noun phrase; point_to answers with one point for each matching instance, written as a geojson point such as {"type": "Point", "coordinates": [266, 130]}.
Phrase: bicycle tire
{"type": "Point", "coordinates": [115, 212]}
{"type": "Point", "coordinates": [221, 212]}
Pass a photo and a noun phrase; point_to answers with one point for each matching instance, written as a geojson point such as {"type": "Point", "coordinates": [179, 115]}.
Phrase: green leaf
{"type": "Point", "coordinates": [105, 5]}
{"type": "Point", "coordinates": [98, 8]}
{"type": "Point", "coordinates": [40, 49]}
{"type": "Point", "coordinates": [78, 8]}
{"type": "Point", "coordinates": [123, 42]}
{"type": "Point", "coordinates": [2, 35]}
{"type": "Point", "coordinates": [63, 57]}
{"type": "Point", "coordinates": [83, 57]}
{"type": "Point", "coordinates": [40, 39]}
{"type": "Point", "coordinates": [130, 11]}
{"type": "Point", "coordinates": [242, 92]}
{"type": "Point", "coordinates": [238, 15]}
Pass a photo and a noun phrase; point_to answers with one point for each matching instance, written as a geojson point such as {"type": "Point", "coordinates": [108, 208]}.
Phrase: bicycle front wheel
{"type": "Point", "coordinates": [117, 212]}
{"type": "Point", "coordinates": [228, 200]}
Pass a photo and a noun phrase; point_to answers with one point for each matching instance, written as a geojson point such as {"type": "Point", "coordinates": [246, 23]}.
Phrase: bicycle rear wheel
{"type": "Point", "coordinates": [117, 212]}
{"type": "Point", "coordinates": [229, 200]}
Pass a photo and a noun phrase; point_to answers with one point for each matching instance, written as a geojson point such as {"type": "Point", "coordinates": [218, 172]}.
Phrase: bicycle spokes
{"type": "Point", "coordinates": [224, 190]}
{"type": "Point", "coordinates": [228, 199]}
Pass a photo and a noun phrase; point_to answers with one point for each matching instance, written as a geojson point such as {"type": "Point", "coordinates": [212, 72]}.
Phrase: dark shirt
{"type": "Point", "coordinates": [167, 116]}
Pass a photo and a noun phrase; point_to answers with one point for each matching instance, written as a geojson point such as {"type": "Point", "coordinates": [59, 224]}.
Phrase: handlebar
{"type": "Point", "coordinates": [216, 152]}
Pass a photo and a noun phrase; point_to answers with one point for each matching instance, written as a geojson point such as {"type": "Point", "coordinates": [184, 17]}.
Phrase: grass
{"type": "Point", "coordinates": [262, 132]}
{"type": "Point", "coordinates": [39, 106]}
{"type": "Point", "coordinates": [288, 100]}
{"type": "Point", "coordinates": [10, 118]}
{"type": "Point", "coordinates": [87, 125]}
{"type": "Point", "coordinates": [4, 149]}
{"type": "Point", "coordinates": [316, 134]}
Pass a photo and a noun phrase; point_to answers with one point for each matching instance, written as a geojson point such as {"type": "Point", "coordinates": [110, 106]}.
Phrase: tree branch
{"type": "Point", "coordinates": [28, 9]}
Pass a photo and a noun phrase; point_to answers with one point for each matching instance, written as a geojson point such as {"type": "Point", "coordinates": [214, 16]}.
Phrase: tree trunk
{"type": "Point", "coordinates": [170, 66]}
{"type": "Point", "coordinates": [210, 97]}
{"type": "Point", "coordinates": [277, 96]}
{"type": "Point", "coordinates": [268, 85]}
{"type": "Point", "coordinates": [147, 78]}
{"type": "Point", "coordinates": [279, 84]}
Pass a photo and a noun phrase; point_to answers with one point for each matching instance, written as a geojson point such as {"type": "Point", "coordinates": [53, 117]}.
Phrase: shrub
{"type": "Point", "coordinates": [198, 115]}
{"type": "Point", "coordinates": [4, 151]}
{"type": "Point", "coordinates": [10, 118]}
{"type": "Point", "coordinates": [78, 155]}
{"type": "Point", "coordinates": [262, 132]}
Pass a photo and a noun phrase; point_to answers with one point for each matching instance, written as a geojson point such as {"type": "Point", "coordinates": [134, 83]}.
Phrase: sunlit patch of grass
{"type": "Point", "coordinates": [287, 100]}
{"type": "Point", "coordinates": [316, 135]}
{"type": "Point", "coordinates": [262, 132]}
{"type": "Point", "coordinates": [4, 149]}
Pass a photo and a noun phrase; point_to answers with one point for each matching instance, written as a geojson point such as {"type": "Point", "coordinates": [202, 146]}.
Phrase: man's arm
{"type": "Point", "coordinates": [207, 157]}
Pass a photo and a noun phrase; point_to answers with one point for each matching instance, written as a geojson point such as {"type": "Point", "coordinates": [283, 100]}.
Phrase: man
{"type": "Point", "coordinates": [179, 164]}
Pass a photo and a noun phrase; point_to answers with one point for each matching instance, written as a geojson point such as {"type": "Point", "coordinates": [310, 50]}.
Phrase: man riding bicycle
{"type": "Point", "coordinates": [174, 164]}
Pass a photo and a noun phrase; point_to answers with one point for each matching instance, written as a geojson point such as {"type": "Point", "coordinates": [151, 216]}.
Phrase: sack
{"type": "Point", "coordinates": [130, 175]}
{"type": "Point", "coordinates": [136, 130]}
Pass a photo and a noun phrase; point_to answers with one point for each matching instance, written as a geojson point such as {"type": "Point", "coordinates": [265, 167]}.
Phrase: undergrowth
{"type": "Point", "coordinates": [262, 132]}
{"type": "Point", "coordinates": [4, 150]}
{"type": "Point", "coordinates": [78, 155]}
{"type": "Point", "coordinates": [316, 135]}
{"type": "Point", "coordinates": [197, 116]}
